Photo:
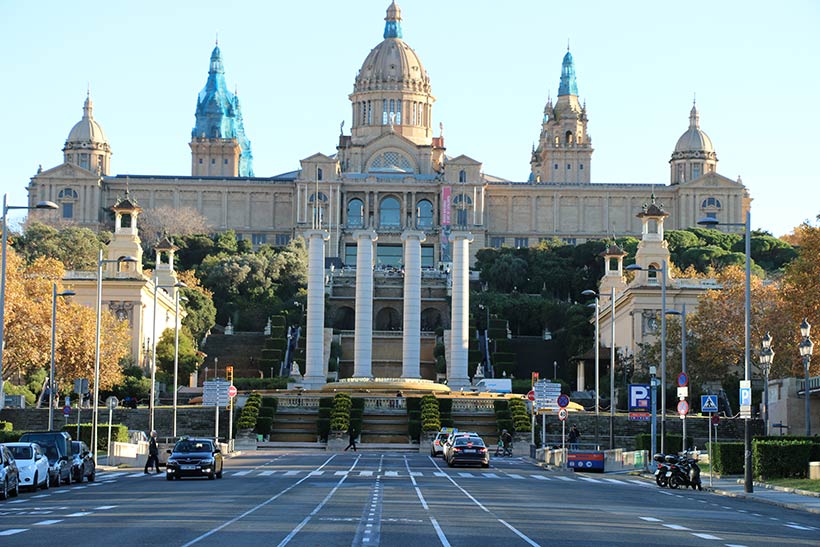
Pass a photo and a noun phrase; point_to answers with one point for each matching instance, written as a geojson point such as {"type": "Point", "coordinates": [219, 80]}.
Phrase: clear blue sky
{"type": "Point", "coordinates": [492, 65]}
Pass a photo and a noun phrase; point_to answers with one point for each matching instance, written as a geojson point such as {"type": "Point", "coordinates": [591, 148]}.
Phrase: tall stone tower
{"type": "Point", "coordinates": [694, 155]}
{"type": "Point", "coordinates": [219, 146]}
{"type": "Point", "coordinates": [126, 240]}
{"type": "Point", "coordinates": [653, 250]}
{"type": "Point", "coordinates": [564, 150]}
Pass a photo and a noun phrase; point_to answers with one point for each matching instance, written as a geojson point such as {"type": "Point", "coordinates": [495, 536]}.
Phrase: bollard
{"type": "Point", "coordinates": [814, 470]}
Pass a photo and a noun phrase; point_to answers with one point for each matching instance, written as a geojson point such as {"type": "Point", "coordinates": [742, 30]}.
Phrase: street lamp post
{"type": "Point", "coordinates": [486, 337]}
{"type": "Point", "coordinates": [596, 305]}
{"type": "Point", "coordinates": [177, 298]}
{"type": "Point", "coordinates": [635, 267]}
{"type": "Point", "coordinates": [766, 358]}
{"type": "Point", "coordinates": [653, 384]}
{"type": "Point", "coordinates": [682, 314]}
{"type": "Point", "coordinates": [806, 347]}
{"type": "Point", "coordinates": [94, 417]}
{"type": "Point", "coordinates": [51, 376]}
{"type": "Point", "coordinates": [5, 238]}
{"type": "Point", "coordinates": [151, 404]}
{"type": "Point", "coordinates": [747, 322]}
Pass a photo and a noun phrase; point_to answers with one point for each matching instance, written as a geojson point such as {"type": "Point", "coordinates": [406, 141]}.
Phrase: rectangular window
{"type": "Point", "coordinates": [369, 112]}
{"type": "Point", "coordinates": [569, 167]}
{"type": "Point", "coordinates": [388, 256]}
{"type": "Point", "coordinates": [225, 161]}
{"type": "Point", "coordinates": [568, 240]}
{"type": "Point", "coordinates": [496, 242]}
{"type": "Point", "coordinates": [384, 112]}
{"type": "Point", "coordinates": [84, 161]}
{"type": "Point", "coordinates": [581, 167]}
{"type": "Point", "coordinates": [259, 239]}
{"type": "Point", "coordinates": [68, 210]}
{"type": "Point", "coordinates": [522, 242]}
{"type": "Point", "coordinates": [428, 256]}
{"type": "Point", "coordinates": [282, 239]}
{"type": "Point", "coordinates": [350, 255]}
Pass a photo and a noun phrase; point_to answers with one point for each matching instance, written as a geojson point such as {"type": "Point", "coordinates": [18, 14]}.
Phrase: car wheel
{"type": "Point", "coordinates": [16, 492]}
{"type": "Point", "coordinates": [47, 482]}
{"type": "Point", "coordinates": [78, 477]}
{"type": "Point", "coordinates": [211, 476]}
{"type": "Point", "coordinates": [4, 492]}
{"type": "Point", "coordinates": [92, 477]}
{"type": "Point", "coordinates": [56, 480]}
{"type": "Point", "coordinates": [169, 477]}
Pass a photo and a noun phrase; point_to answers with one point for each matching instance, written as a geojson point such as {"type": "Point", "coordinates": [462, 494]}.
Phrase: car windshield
{"type": "Point", "coordinates": [76, 447]}
{"type": "Point", "coordinates": [21, 452]}
{"type": "Point", "coordinates": [194, 446]}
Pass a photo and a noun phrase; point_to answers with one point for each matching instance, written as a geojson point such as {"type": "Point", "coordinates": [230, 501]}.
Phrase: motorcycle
{"type": "Point", "coordinates": [661, 478]}
{"type": "Point", "coordinates": [684, 472]}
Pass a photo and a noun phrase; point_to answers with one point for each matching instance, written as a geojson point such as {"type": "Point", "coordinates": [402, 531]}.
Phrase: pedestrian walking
{"type": "Point", "coordinates": [573, 437]}
{"type": "Point", "coordinates": [351, 433]}
{"type": "Point", "coordinates": [153, 453]}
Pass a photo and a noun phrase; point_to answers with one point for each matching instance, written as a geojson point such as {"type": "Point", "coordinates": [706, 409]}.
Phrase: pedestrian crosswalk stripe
{"type": "Point", "coordinates": [514, 476]}
{"type": "Point", "coordinates": [340, 473]}
{"type": "Point", "coordinates": [365, 473]}
{"type": "Point", "coordinates": [589, 479]}
{"type": "Point", "coordinates": [391, 474]}
{"type": "Point", "coordinates": [541, 477]}
{"type": "Point", "coordinates": [136, 475]}
{"type": "Point", "coordinates": [466, 475]}
{"type": "Point", "coordinates": [242, 473]}
{"type": "Point", "coordinates": [614, 481]}
{"type": "Point", "coordinates": [266, 473]}
{"type": "Point", "coordinates": [440, 474]}
{"type": "Point", "coordinates": [641, 483]}
{"type": "Point", "coordinates": [291, 473]}
{"type": "Point", "coordinates": [315, 473]}
{"type": "Point", "coordinates": [416, 474]}
{"type": "Point", "coordinates": [490, 475]}
{"type": "Point", "coordinates": [562, 478]}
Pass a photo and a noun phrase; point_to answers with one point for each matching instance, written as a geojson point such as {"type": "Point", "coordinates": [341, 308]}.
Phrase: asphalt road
{"type": "Point", "coordinates": [392, 499]}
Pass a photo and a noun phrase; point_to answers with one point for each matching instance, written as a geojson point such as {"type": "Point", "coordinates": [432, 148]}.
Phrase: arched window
{"type": "Point", "coordinates": [67, 193]}
{"type": "Point", "coordinates": [355, 210]}
{"type": "Point", "coordinates": [569, 137]}
{"type": "Point", "coordinates": [653, 274]}
{"type": "Point", "coordinates": [319, 207]}
{"type": "Point", "coordinates": [424, 214]}
{"type": "Point", "coordinates": [462, 176]}
{"type": "Point", "coordinates": [389, 213]}
{"type": "Point", "coordinates": [319, 173]}
{"type": "Point", "coordinates": [463, 204]}
{"type": "Point", "coordinates": [391, 162]}
{"type": "Point", "coordinates": [711, 203]}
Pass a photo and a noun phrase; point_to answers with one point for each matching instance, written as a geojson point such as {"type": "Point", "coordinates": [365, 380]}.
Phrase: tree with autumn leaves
{"type": "Point", "coordinates": [28, 328]}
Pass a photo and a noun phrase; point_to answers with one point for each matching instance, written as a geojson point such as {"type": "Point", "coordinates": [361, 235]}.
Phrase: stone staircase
{"type": "Point", "coordinates": [483, 424]}
{"type": "Point", "coordinates": [243, 350]}
{"type": "Point", "coordinates": [294, 426]}
{"type": "Point", "coordinates": [384, 427]}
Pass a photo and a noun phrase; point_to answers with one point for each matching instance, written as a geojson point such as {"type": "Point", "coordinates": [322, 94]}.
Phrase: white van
{"type": "Point", "coordinates": [494, 385]}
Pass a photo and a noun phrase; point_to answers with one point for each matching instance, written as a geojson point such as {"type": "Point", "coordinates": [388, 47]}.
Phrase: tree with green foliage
{"type": "Point", "coordinates": [189, 358]}
{"type": "Point", "coordinates": [77, 248]}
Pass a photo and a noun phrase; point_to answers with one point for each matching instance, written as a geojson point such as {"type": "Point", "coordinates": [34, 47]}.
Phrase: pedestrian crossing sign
{"type": "Point", "coordinates": [708, 403]}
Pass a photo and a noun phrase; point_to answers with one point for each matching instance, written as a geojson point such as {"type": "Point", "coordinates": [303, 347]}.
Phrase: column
{"type": "Point", "coordinates": [460, 335]}
{"type": "Point", "coordinates": [315, 342]}
{"type": "Point", "coordinates": [581, 379]}
{"type": "Point", "coordinates": [411, 335]}
{"type": "Point", "coordinates": [363, 341]}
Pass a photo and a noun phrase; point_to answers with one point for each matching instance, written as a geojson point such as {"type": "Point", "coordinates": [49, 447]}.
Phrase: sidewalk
{"type": "Point", "coordinates": [774, 495]}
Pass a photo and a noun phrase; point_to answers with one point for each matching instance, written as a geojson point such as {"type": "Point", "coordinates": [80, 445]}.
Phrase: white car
{"type": "Point", "coordinates": [32, 464]}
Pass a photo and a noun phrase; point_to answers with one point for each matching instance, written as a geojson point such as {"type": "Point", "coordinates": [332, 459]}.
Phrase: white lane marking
{"type": "Point", "coordinates": [466, 475]}
{"type": "Point", "coordinates": [23, 501]}
{"type": "Point", "coordinates": [735, 545]}
{"type": "Point", "coordinates": [47, 522]}
{"type": "Point", "coordinates": [440, 474]}
{"type": "Point", "coordinates": [104, 507]}
{"type": "Point", "coordinates": [514, 476]}
{"type": "Point", "coordinates": [56, 492]}
{"type": "Point", "coordinates": [318, 508]}
{"type": "Point", "coordinates": [79, 514]}
{"type": "Point", "coordinates": [742, 511]}
{"type": "Point", "coordinates": [563, 478]}
{"type": "Point", "coordinates": [650, 519]}
{"type": "Point", "coordinates": [486, 510]}
{"type": "Point", "coordinates": [724, 507]}
{"type": "Point", "coordinates": [614, 481]}
{"type": "Point", "coordinates": [340, 473]}
{"type": "Point", "coordinates": [253, 509]}
{"type": "Point", "coordinates": [798, 527]}
{"type": "Point", "coordinates": [643, 483]}
{"type": "Point", "coordinates": [365, 473]}
{"type": "Point", "coordinates": [242, 473]}
{"type": "Point", "coordinates": [78, 487]}
{"type": "Point", "coordinates": [676, 527]}
{"type": "Point", "coordinates": [94, 484]}
{"type": "Point", "coordinates": [266, 473]}
{"type": "Point", "coordinates": [416, 474]}
{"type": "Point", "coordinates": [291, 473]}
{"type": "Point", "coordinates": [589, 479]}
{"type": "Point", "coordinates": [705, 536]}
{"type": "Point", "coordinates": [315, 473]}
{"type": "Point", "coordinates": [137, 474]}
{"type": "Point", "coordinates": [539, 477]}
{"type": "Point", "coordinates": [12, 531]}
{"type": "Point", "coordinates": [758, 514]}
{"type": "Point", "coordinates": [41, 496]}
{"type": "Point", "coordinates": [391, 474]}
{"type": "Point", "coordinates": [773, 518]}
{"type": "Point", "coordinates": [442, 538]}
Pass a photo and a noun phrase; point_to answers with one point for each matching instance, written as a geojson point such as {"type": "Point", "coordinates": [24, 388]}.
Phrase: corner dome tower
{"type": "Point", "coordinates": [694, 155]}
{"type": "Point", "coordinates": [86, 145]}
{"type": "Point", "coordinates": [392, 89]}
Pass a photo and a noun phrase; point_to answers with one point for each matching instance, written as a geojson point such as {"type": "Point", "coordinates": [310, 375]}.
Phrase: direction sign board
{"type": "Point", "coordinates": [683, 408]}
{"type": "Point", "coordinates": [708, 403]}
{"type": "Point", "coordinates": [683, 379]}
{"type": "Point", "coordinates": [546, 394]}
{"type": "Point", "coordinates": [215, 393]}
{"type": "Point", "coordinates": [562, 414]}
{"type": "Point", "coordinates": [639, 397]}
{"type": "Point", "coordinates": [563, 400]}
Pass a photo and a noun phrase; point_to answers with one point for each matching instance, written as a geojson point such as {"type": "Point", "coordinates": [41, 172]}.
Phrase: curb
{"type": "Point", "coordinates": [794, 506]}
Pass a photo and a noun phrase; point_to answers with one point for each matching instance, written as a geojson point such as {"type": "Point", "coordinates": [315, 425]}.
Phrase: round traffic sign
{"type": "Point", "coordinates": [683, 379]}
{"type": "Point", "coordinates": [232, 391]}
{"type": "Point", "coordinates": [563, 400]}
{"type": "Point", "coordinates": [562, 414]}
{"type": "Point", "coordinates": [66, 410]}
{"type": "Point", "coordinates": [683, 408]}
{"type": "Point", "coordinates": [531, 395]}
{"type": "Point", "coordinates": [112, 402]}
{"type": "Point", "coordinates": [715, 419]}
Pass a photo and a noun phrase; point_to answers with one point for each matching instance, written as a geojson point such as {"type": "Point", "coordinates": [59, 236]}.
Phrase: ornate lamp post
{"type": "Point", "coordinates": [54, 295]}
{"type": "Point", "coordinates": [806, 347]}
{"type": "Point", "coordinates": [151, 404]}
{"type": "Point", "coordinates": [6, 209]}
{"type": "Point", "coordinates": [766, 358]}
{"type": "Point", "coordinates": [596, 305]}
{"type": "Point", "coordinates": [747, 322]}
{"type": "Point", "coordinates": [682, 314]}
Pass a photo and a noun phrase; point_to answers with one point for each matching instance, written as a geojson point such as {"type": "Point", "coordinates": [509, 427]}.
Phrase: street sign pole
{"type": "Point", "coordinates": [216, 422]}
{"type": "Point", "coordinates": [711, 461]}
{"type": "Point", "coordinates": [543, 430]}
{"type": "Point", "coordinates": [564, 442]}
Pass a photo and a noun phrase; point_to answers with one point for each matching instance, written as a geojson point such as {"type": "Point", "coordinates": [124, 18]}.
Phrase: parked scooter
{"type": "Point", "coordinates": [684, 471]}
{"type": "Point", "coordinates": [662, 469]}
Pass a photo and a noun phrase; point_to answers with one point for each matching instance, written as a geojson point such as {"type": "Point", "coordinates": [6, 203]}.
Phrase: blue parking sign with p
{"type": "Point", "coordinates": [639, 397]}
{"type": "Point", "coordinates": [708, 403]}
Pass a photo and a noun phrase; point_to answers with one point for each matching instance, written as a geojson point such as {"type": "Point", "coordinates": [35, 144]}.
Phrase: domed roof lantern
{"type": "Point", "coordinates": [392, 25]}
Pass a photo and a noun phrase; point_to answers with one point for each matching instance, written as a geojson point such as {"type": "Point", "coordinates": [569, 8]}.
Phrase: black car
{"type": "Point", "coordinates": [9, 474]}
{"type": "Point", "coordinates": [82, 462]}
{"type": "Point", "coordinates": [57, 447]}
{"type": "Point", "coordinates": [194, 458]}
{"type": "Point", "coordinates": [469, 450]}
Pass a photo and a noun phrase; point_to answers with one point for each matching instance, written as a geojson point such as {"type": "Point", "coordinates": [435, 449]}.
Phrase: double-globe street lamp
{"type": "Point", "coordinates": [612, 398]}
{"type": "Point", "coordinates": [151, 402]}
{"type": "Point", "coordinates": [806, 347]}
{"type": "Point", "coordinates": [747, 323]}
{"type": "Point", "coordinates": [51, 375]}
{"type": "Point", "coordinates": [766, 358]}
{"type": "Point", "coordinates": [5, 237]}
{"type": "Point", "coordinates": [682, 314]}
{"type": "Point", "coordinates": [94, 418]}
{"type": "Point", "coordinates": [177, 299]}
{"type": "Point", "coordinates": [634, 268]}
{"type": "Point", "coordinates": [596, 305]}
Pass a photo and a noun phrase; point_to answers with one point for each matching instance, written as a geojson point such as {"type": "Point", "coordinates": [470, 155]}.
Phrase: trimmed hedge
{"type": "Point", "coordinates": [266, 412]}
{"type": "Point", "coordinates": [271, 402]}
{"type": "Point", "coordinates": [814, 455]}
{"type": "Point", "coordinates": [119, 433]}
{"type": "Point", "coordinates": [728, 458]}
{"type": "Point", "coordinates": [521, 418]}
{"type": "Point", "coordinates": [430, 415]}
{"type": "Point", "coordinates": [250, 412]}
{"type": "Point", "coordinates": [780, 459]}
{"type": "Point", "coordinates": [6, 426]}
{"type": "Point", "coordinates": [264, 425]}
{"type": "Point", "coordinates": [340, 413]}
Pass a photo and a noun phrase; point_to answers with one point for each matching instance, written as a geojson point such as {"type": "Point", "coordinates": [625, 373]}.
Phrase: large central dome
{"type": "Point", "coordinates": [392, 65]}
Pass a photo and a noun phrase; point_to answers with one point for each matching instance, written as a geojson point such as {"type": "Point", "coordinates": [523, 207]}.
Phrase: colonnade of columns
{"type": "Point", "coordinates": [457, 374]}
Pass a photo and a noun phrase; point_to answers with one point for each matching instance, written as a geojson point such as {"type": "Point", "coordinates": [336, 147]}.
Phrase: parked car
{"type": "Point", "coordinates": [82, 462]}
{"type": "Point", "coordinates": [194, 458]}
{"type": "Point", "coordinates": [437, 446]}
{"type": "Point", "coordinates": [469, 450]}
{"type": "Point", "coordinates": [32, 465]}
{"type": "Point", "coordinates": [448, 444]}
{"type": "Point", "coordinates": [57, 447]}
{"type": "Point", "coordinates": [9, 475]}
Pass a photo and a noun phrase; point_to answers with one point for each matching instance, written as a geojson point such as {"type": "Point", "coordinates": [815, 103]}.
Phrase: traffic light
{"type": "Point", "coordinates": [229, 374]}
{"type": "Point", "coordinates": [534, 378]}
